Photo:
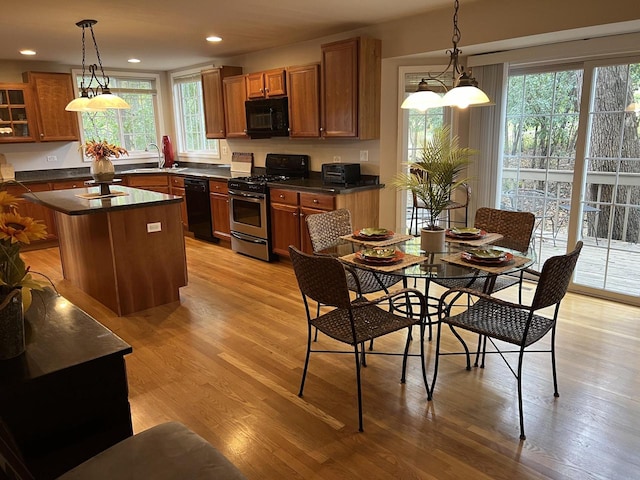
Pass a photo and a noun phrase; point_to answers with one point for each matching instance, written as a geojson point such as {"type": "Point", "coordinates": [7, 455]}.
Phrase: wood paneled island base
{"type": "Point", "coordinates": [128, 252]}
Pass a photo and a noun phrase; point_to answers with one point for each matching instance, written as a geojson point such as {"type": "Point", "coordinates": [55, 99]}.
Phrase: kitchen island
{"type": "Point", "coordinates": [126, 249]}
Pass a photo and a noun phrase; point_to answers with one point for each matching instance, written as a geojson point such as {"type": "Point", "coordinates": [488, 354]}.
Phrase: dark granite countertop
{"type": "Point", "coordinates": [70, 203]}
{"type": "Point", "coordinates": [187, 169]}
{"type": "Point", "coordinates": [58, 335]}
{"type": "Point", "coordinates": [213, 172]}
{"type": "Point", "coordinates": [315, 184]}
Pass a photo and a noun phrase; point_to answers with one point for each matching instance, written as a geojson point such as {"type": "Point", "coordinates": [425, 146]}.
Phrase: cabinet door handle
{"type": "Point", "coordinates": [315, 200]}
{"type": "Point", "coordinates": [281, 196]}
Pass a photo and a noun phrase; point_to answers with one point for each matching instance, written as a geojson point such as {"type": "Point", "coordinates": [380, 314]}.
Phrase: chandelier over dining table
{"type": "Point", "coordinates": [465, 91]}
{"type": "Point", "coordinates": [96, 95]}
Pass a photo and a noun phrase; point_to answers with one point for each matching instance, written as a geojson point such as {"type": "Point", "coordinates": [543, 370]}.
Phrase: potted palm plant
{"type": "Point", "coordinates": [434, 178]}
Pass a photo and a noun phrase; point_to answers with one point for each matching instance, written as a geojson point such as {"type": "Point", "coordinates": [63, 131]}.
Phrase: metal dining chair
{"type": "Point", "coordinates": [323, 280]}
{"type": "Point", "coordinates": [418, 204]}
{"type": "Point", "coordinates": [513, 323]}
{"type": "Point", "coordinates": [516, 229]}
{"type": "Point", "coordinates": [325, 230]}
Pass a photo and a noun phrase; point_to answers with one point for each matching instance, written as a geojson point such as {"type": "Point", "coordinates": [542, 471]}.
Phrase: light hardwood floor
{"type": "Point", "coordinates": [227, 360]}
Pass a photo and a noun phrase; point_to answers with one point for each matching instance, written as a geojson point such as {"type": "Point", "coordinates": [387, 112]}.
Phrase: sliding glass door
{"type": "Point", "coordinates": [572, 157]}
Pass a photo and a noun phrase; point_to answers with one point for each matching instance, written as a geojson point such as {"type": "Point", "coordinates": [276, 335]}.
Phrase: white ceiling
{"type": "Point", "coordinates": [170, 34]}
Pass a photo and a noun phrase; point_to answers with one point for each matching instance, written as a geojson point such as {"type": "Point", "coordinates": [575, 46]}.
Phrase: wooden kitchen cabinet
{"type": "Point", "coordinates": [219, 197]}
{"type": "Point", "coordinates": [289, 209]}
{"type": "Point", "coordinates": [17, 118]}
{"type": "Point", "coordinates": [350, 88]}
{"type": "Point", "coordinates": [35, 211]}
{"type": "Point", "coordinates": [156, 183]}
{"type": "Point", "coordinates": [271, 83]}
{"type": "Point", "coordinates": [213, 99]}
{"type": "Point", "coordinates": [304, 101]}
{"type": "Point", "coordinates": [235, 95]}
{"type": "Point", "coordinates": [176, 187]}
{"type": "Point", "coordinates": [51, 93]}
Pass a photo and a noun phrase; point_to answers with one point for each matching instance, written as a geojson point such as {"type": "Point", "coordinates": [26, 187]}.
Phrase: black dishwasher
{"type": "Point", "coordinates": [199, 208]}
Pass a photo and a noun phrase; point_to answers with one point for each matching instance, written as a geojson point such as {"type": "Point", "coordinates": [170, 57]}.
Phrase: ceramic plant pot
{"type": "Point", "coordinates": [432, 240]}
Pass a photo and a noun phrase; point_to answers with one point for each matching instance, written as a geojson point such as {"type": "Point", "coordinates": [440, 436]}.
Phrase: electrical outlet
{"type": "Point", "coordinates": [225, 150]}
{"type": "Point", "coordinates": [337, 159]}
{"type": "Point", "coordinates": [364, 155]}
{"type": "Point", "coordinates": [154, 227]}
{"type": "Point", "coordinates": [52, 158]}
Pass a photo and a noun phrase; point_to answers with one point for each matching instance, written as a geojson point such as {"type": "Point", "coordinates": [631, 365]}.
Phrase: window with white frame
{"type": "Point", "coordinates": [189, 117]}
{"type": "Point", "coordinates": [134, 128]}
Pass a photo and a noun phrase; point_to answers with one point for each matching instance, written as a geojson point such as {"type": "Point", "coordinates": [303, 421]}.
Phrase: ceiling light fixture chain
{"type": "Point", "coordinates": [104, 86]}
{"type": "Point", "coordinates": [98, 98]}
{"type": "Point", "coordinates": [464, 90]}
{"type": "Point", "coordinates": [455, 39]}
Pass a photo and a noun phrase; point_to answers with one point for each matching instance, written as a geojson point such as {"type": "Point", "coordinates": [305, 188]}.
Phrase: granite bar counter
{"type": "Point", "coordinates": [65, 399]}
{"type": "Point", "coordinates": [126, 250]}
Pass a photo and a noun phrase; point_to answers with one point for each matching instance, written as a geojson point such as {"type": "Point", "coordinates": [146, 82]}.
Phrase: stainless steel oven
{"type": "Point", "coordinates": [249, 217]}
{"type": "Point", "coordinates": [249, 203]}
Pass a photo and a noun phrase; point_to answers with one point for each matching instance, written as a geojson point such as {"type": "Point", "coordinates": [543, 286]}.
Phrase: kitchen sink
{"type": "Point", "coordinates": [154, 170]}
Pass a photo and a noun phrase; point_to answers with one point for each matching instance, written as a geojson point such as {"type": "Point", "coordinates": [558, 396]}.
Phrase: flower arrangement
{"type": "Point", "coordinates": [102, 149]}
{"type": "Point", "coordinates": [15, 231]}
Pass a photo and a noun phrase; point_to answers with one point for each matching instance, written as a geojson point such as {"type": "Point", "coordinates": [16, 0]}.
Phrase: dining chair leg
{"type": "Point", "coordinates": [520, 409]}
{"type": "Point", "coordinates": [357, 355]}
{"type": "Point", "coordinates": [464, 345]}
{"type": "Point", "coordinates": [306, 360]}
{"type": "Point", "coordinates": [435, 365]}
{"type": "Point", "coordinates": [315, 336]}
{"type": "Point", "coordinates": [403, 377]}
{"type": "Point", "coordinates": [422, 363]}
{"type": "Point", "coordinates": [553, 362]}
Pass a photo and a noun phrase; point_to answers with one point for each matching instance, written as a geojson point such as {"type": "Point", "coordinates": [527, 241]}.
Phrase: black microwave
{"type": "Point", "coordinates": [267, 118]}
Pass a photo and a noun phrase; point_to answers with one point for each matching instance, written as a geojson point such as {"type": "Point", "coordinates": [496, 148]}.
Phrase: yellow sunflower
{"type": "Point", "coordinates": [19, 229]}
{"type": "Point", "coordinates": [7, 201]}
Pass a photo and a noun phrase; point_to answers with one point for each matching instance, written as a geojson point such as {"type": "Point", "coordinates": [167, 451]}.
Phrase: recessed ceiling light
{"type": "Point", "coordinates": [133, 60]}
{"type": "Point", "coordinates": [214, 38]}
{"type": "Point", "coordinates": [28, 52]}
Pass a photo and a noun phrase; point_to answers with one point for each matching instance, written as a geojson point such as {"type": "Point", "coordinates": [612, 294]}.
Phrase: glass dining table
{"type": "Point", "coordinates": [453, 264]}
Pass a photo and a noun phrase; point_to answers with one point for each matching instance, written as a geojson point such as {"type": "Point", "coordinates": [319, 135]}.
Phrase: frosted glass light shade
{"type": "Point", "coordinates": [462, 97]}
{"type": "Point", "coordinates": [107, 100]}
{"type": "Point", "coordinates": [422, 100]}
{"type": "Point", "coordinates": [81, 104]}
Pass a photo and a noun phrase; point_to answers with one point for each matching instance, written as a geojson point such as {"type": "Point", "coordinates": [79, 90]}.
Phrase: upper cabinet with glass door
{"type": "Point", "coordinates": [17, 122]}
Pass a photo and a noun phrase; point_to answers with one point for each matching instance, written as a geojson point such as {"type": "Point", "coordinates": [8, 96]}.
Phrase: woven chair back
{"type": "Point", "coordinates": [554, 278]}
{"type": "Point", "coordinates": [320, 278]}
{"type": "Point", "coordinates": [325, 229]}
{"type": "Point", "coordinates": [515, 227]}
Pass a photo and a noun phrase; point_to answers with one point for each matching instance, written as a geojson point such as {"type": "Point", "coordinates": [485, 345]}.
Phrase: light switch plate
{"type": "Point", "coordinates": [154, 227]}
{"type": "Point", "coordinates": [364, 155]}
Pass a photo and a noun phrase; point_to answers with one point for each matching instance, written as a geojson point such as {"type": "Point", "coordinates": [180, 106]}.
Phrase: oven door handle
{"type": "Point", "coordinates": [257, 196]}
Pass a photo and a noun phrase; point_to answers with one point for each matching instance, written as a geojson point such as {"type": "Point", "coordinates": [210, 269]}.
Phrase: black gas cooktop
{"type": "Point", "coordinates": [279, 167]}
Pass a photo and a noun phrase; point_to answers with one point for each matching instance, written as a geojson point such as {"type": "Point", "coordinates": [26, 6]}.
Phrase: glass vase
{"type": "Point", "coordinates": [12, 340]}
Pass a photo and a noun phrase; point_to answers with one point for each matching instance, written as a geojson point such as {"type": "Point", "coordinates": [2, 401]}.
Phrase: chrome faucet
{"type": "Point", "coordinates": [160, 159]}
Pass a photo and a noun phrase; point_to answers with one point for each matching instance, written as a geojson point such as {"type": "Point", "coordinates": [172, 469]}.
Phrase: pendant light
{"type": "Point", "coordinates": [465, 89]}
{"type": "Point", "coordinates": [94, 98]}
